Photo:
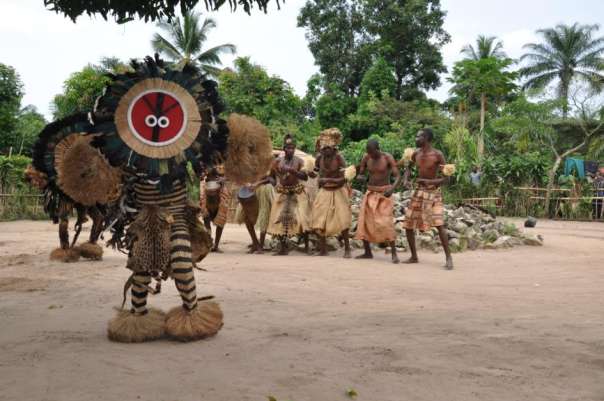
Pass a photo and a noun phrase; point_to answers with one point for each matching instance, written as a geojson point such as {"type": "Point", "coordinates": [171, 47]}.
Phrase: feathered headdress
{"type": "Point", "coordinates": [154, 120]}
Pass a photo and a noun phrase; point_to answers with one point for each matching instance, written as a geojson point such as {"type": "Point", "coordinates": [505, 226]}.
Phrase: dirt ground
{"type": "Point", "coordinates": [517, 324]}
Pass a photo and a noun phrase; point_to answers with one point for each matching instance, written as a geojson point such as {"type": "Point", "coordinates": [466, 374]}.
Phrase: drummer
{"type": "Point", "coordinates": [215, 197]}
{"type": "Point", "coordinates": [255, 201]}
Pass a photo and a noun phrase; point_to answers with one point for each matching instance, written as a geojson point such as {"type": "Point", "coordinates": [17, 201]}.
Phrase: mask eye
{"type": "Point", "coordinates": [151, 120]}
{"type": "Point", "coordinates": [163, 121]}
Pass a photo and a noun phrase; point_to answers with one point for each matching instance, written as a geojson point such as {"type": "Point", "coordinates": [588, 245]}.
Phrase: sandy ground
{"type": "Point", "coordinates": [520, 324]}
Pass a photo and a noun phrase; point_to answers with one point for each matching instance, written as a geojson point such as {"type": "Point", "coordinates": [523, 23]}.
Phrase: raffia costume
{"type": "Point", "coordinates": [376, 218]}
{"type": "Point", "coordinates": [331, 212]}
{"type": "Point", "coordinates": [426, 209]}
{"type": "Point", "coordinates": [151, 123]}
{"type": "Point", "coordinates": [265, 194]}
{"type": "Point", "coordinates": [73, 175]}
{"type": "Point", "coordinates": [290, 211]}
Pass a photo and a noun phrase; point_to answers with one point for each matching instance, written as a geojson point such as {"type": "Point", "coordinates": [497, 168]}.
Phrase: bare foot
{"type": "Point", "coordinates": [449, 263]}
{"type": "Point", "coordinates": [411, 260]}
{"type": "Point", "coordinates": [395, 259]}
{"type": "Point", "coordinates": [347, 254]}
{"type": "Point", "coordinates": [217, 250]}
{"type": "Point", "coordinates": [365, 256]}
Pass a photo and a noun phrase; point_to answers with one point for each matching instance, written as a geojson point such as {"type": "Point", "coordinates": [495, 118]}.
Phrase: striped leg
{"type": "Point", "coordinates": [191, 321]}
{"type": "Point", "coordinates": [139, 324]}
{"type": "Point", "coordinates": [182, 264]}
{"type": "Point", "coordinates": [139, 292]}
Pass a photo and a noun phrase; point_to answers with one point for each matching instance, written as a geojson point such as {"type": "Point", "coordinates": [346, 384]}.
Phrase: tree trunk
{"type": "Point", "coordinates": [483, 108]}
{"type": "Point", "coordinates": [551, 176]}
{"type": "Point", "coordinates": [398, 93]}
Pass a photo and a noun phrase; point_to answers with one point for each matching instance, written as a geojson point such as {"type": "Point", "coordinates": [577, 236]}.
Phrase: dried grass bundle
{"type": "Point", "coordinates": [128, 327]}
{"type": "Point", "coordinates": [83, 173]}
{"type": "Point", "coordinates": [203, 321]}
{"type": "Point", "coordinates": [249, 152]}
{"type": "Point", "coordinates": [349, 173]}
{"type": "Point", "coordinates": [91, 251]}
{"type": "Point", "coordinates": [448, 170]}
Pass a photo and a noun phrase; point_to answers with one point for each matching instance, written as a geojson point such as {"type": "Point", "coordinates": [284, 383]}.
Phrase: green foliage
{"type": "Point", "coordinates": [339, 41]}
{"type": "Point", "coordinates": [528, 169]}
{"type": "Point", "coordinates": [379, 80]}
{"type": "Point", "coordinates": [11, 171]}
{"type": "Point", "coordinates": [185, 41]}
{"type": "Point", "coordinates": [29, 125]}
{"type": "Point", "coordinates": [460, 147]}
{"type": "Point", "coordinates": [250, 90]}
{"type": "Point", "coordinates": [472, 78]}
{"type": "Point", "coordinates": [333, 108]}
{"type": "Point", "coordinates": [80, 91]}
{"type": "Point", "coordinates": [380, 116]}
{"type": "Point", "coordinates": [148, 10]}
{"type": "Point", "coordinates": [523, 125]}
{"type": "Point", "coordinates": [313, 92]}
{"type": "Point", "coordinates": [409, 36]}
{"type": "Point", "coordinates": [19, 200]}
{"type": "Point", "coordinates": [11, 92]}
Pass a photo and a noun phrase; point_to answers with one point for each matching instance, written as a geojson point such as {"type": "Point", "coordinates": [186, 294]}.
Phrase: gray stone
{"type": "Point", "coordinates": [452, 234]}
{"type": "Point", "coordinates": [532, 240]}
{"type": "Point", "coordinates": [490, 235]}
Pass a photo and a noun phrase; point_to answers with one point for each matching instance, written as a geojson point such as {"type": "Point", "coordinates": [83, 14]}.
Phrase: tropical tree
{"type": "Point", "coordinates": [486, 46]}
{"type": "Point", "coordinates": [29, 124]}
{"type": "Point", "coordinates": [568, 52]}
{"type": "Point", "coordinates": [11, 92]}
{"type": "Point", "coordinates": [338, 40]}
{"type": "Point", "coordinates": [249, 89]}
{"type": "Point", "coordinates": [185, 41]}
{"type": "Point", "coordinates": [410, 36]}
{"type": "Point", "coordinates": [80, 91]}
{"type": "Point", "coordinates": [482, 79]}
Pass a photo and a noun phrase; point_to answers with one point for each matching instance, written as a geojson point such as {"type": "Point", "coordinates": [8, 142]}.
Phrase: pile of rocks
{"type": "Point", "coordinates": [467, 228]}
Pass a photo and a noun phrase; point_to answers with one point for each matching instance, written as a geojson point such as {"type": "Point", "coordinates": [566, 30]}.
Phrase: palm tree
{"type": "Point", "coordinates": [186, 38]}
{"type": "Point", "coordinates": [486, 46]}
{"type": "Point", "coordinates": [567, 53]}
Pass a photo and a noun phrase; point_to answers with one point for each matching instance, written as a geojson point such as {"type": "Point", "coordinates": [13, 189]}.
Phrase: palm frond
{"type": "Point", "coordinates": [212, 55]}
{"type": "Point", "coordinates": [540, 81]}
{"type": "Point", "coordinates": [211, 70]}
{"type": "Point", "coordinates": [164, 47]}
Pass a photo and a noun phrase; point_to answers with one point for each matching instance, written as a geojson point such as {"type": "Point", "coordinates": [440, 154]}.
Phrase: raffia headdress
{"type": "Point", "coordinates": [330, 137]}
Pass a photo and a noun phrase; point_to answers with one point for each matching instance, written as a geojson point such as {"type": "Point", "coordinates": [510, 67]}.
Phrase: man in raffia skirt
{"type": "Point", "coordinates": [290, 212]}
{"type": "Point", "coordinates": [426, 208]}
{"type": "Point", "coordinates": [376, 218]}
{"type": "Point", "coordinates": [331, 215]}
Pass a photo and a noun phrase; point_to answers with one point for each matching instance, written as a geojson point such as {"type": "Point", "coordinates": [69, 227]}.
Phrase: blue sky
{"type": "Point", "coordinates": [45, 48]}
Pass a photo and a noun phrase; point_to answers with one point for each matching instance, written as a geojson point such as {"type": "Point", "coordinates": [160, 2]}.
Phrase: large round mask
{"type": "Point", "coordinates": [157, 118]}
